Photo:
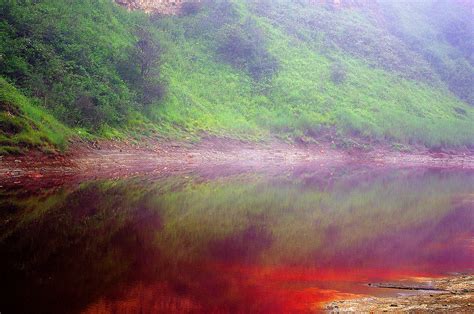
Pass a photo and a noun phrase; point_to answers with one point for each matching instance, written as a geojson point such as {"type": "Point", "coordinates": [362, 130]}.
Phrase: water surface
{"type": "Point", "coordinates": [219, 241]}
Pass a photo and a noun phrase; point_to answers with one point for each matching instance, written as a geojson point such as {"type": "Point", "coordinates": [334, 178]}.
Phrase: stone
{"type": "Point", "coordinates": [165, 7]}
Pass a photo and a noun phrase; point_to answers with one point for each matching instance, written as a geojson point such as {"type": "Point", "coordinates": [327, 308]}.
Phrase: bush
{"type": "Point", "coordinates": [86, 75]}
{"type": "Point", "coordinates": [244, 47]}
{"type": "Point", "coordinates": [191, 8]}
{"type": "Point", "coordinates": [147, 52]}
{"type": "Point", "coordinates": [338, 73]}
{"type": "Point", "coordinates": [152, 91]}
{"type": "Point", "coordinates": [89, 111]}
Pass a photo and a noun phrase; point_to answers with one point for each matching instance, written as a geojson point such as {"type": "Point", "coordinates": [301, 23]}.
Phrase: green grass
{"type": "Point", "coordinates": [25, 125]}
{"type": "Point", "coordinates": [387, 90]}
{"type": "Point", "coordinates": [205, 95]}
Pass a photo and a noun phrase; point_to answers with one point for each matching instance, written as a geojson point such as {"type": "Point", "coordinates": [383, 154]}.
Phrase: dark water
{"type": "Point", "coordinates": [283, 241]}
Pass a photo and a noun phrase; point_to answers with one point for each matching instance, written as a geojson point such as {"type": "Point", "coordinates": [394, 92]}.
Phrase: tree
{"type": "Point", "coordinates": [148, 52]}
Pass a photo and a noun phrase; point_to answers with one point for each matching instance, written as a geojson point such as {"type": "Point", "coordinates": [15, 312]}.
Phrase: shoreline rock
{"type": "Point", "coordinates": [452, 294]}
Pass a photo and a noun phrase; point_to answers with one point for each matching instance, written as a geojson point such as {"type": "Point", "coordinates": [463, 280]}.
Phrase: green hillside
{"type": "Point", "coordinates": [385, 73]}
{"type": "Point", "coordinates": [26, 125]}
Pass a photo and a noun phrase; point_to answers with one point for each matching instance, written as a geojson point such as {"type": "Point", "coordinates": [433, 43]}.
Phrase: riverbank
{"type": "Point", "coordinates": [452, 294]}
{"type": "Point", "coordinates": [118, 159]}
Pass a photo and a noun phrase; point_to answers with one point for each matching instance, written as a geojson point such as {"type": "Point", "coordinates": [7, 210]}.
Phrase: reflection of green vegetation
{"type": "Point", "coordinates": [296, 215]}
{"type": "Point", "coordinates": [67, 235]}
{"type": "Point", "coordinates": [103, 234]}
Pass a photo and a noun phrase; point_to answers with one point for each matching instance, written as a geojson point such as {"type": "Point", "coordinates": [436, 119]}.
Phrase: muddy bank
{"type": "Point", "coordinates": [114, 159]}
{"type": "Point", "coordinates": [453, 294]}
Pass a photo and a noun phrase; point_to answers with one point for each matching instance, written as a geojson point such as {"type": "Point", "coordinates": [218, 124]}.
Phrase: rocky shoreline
{"type": "Point", "coordinates": [452, 294]}
{"type": "Point", "coordinates": [119, 159]}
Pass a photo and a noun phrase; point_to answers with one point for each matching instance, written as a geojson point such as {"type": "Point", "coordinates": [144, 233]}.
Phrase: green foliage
{"type": "Point", "coordinates": [148, 52]}
{"type": "Point", "coordinates": [243, 46]}
{"type": "Point", "coordinates": [69, 55]}
{"type": "Point", "coordinates": [191, 8]}
{"type": "Point", "coordinates": [353, 32]}
{"type": "Point", "coordinates": [338, 73]}
{"type": "Point", "coordinates": [440, 31]}
{"type": "Point", "coordinates": [245, 69]}
{"type": "Point", "coordinates": [301, 99]}
{"type": "Point", "coordinates": [24, 125]}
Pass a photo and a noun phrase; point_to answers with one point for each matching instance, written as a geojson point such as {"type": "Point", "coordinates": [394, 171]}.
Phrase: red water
{"type": "Point", "coordinates": [232, 286]}
{"type": "Point", "coordinates": [239, 245]}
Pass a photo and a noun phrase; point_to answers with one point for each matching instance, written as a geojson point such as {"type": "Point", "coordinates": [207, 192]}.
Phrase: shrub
{"type": "Point", "coordinates": [152, 91]}
{"type": "Point", "coordinates": [86, 75]}
{"type": "Point", "coordinates": [338, 73]}
{"type": "Point", "coordinates": [147, 52]}
{"type": "Point", "coordinates": [190, 8]}
{"type": "Point", "coordinates": [244, 47]}
{"type": "Point", "coordinates": [89, 111]}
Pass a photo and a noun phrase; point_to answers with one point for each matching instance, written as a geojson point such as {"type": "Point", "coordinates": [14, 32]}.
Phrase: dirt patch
{"type": "Point", "coordinates": [453, 294]}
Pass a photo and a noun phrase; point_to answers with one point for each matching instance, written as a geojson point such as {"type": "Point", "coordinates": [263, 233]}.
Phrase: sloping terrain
{"type": "Point", "coordinates": [355, 75]}
{"type": "Point", "coordinates": [25, 125]}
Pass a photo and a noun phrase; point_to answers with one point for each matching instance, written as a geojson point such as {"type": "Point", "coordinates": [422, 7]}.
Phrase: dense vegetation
{"type": "Point", "coordinates": [396, 72]}
{"type": "Point", "coordinates": [23, 124]}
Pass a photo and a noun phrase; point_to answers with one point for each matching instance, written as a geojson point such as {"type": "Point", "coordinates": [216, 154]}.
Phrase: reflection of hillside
{"type": "Point", "coordinates": [216, 242]}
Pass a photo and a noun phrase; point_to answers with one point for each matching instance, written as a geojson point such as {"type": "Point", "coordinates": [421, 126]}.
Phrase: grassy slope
{"type": "Point", "coordinates": [444, 37]}
{"type": "Point", "coordinates": [25, 125]}
{"type": "Point", "coordinates": [67, 58]}
{"type": "Point", "coordinates": [389, 93]}
{"type": "Point", "coordinates": [206, 95]}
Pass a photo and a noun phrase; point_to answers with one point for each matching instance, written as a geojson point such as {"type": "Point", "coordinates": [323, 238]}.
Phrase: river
{"type": "Point", "coordinates": [228, 241]}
